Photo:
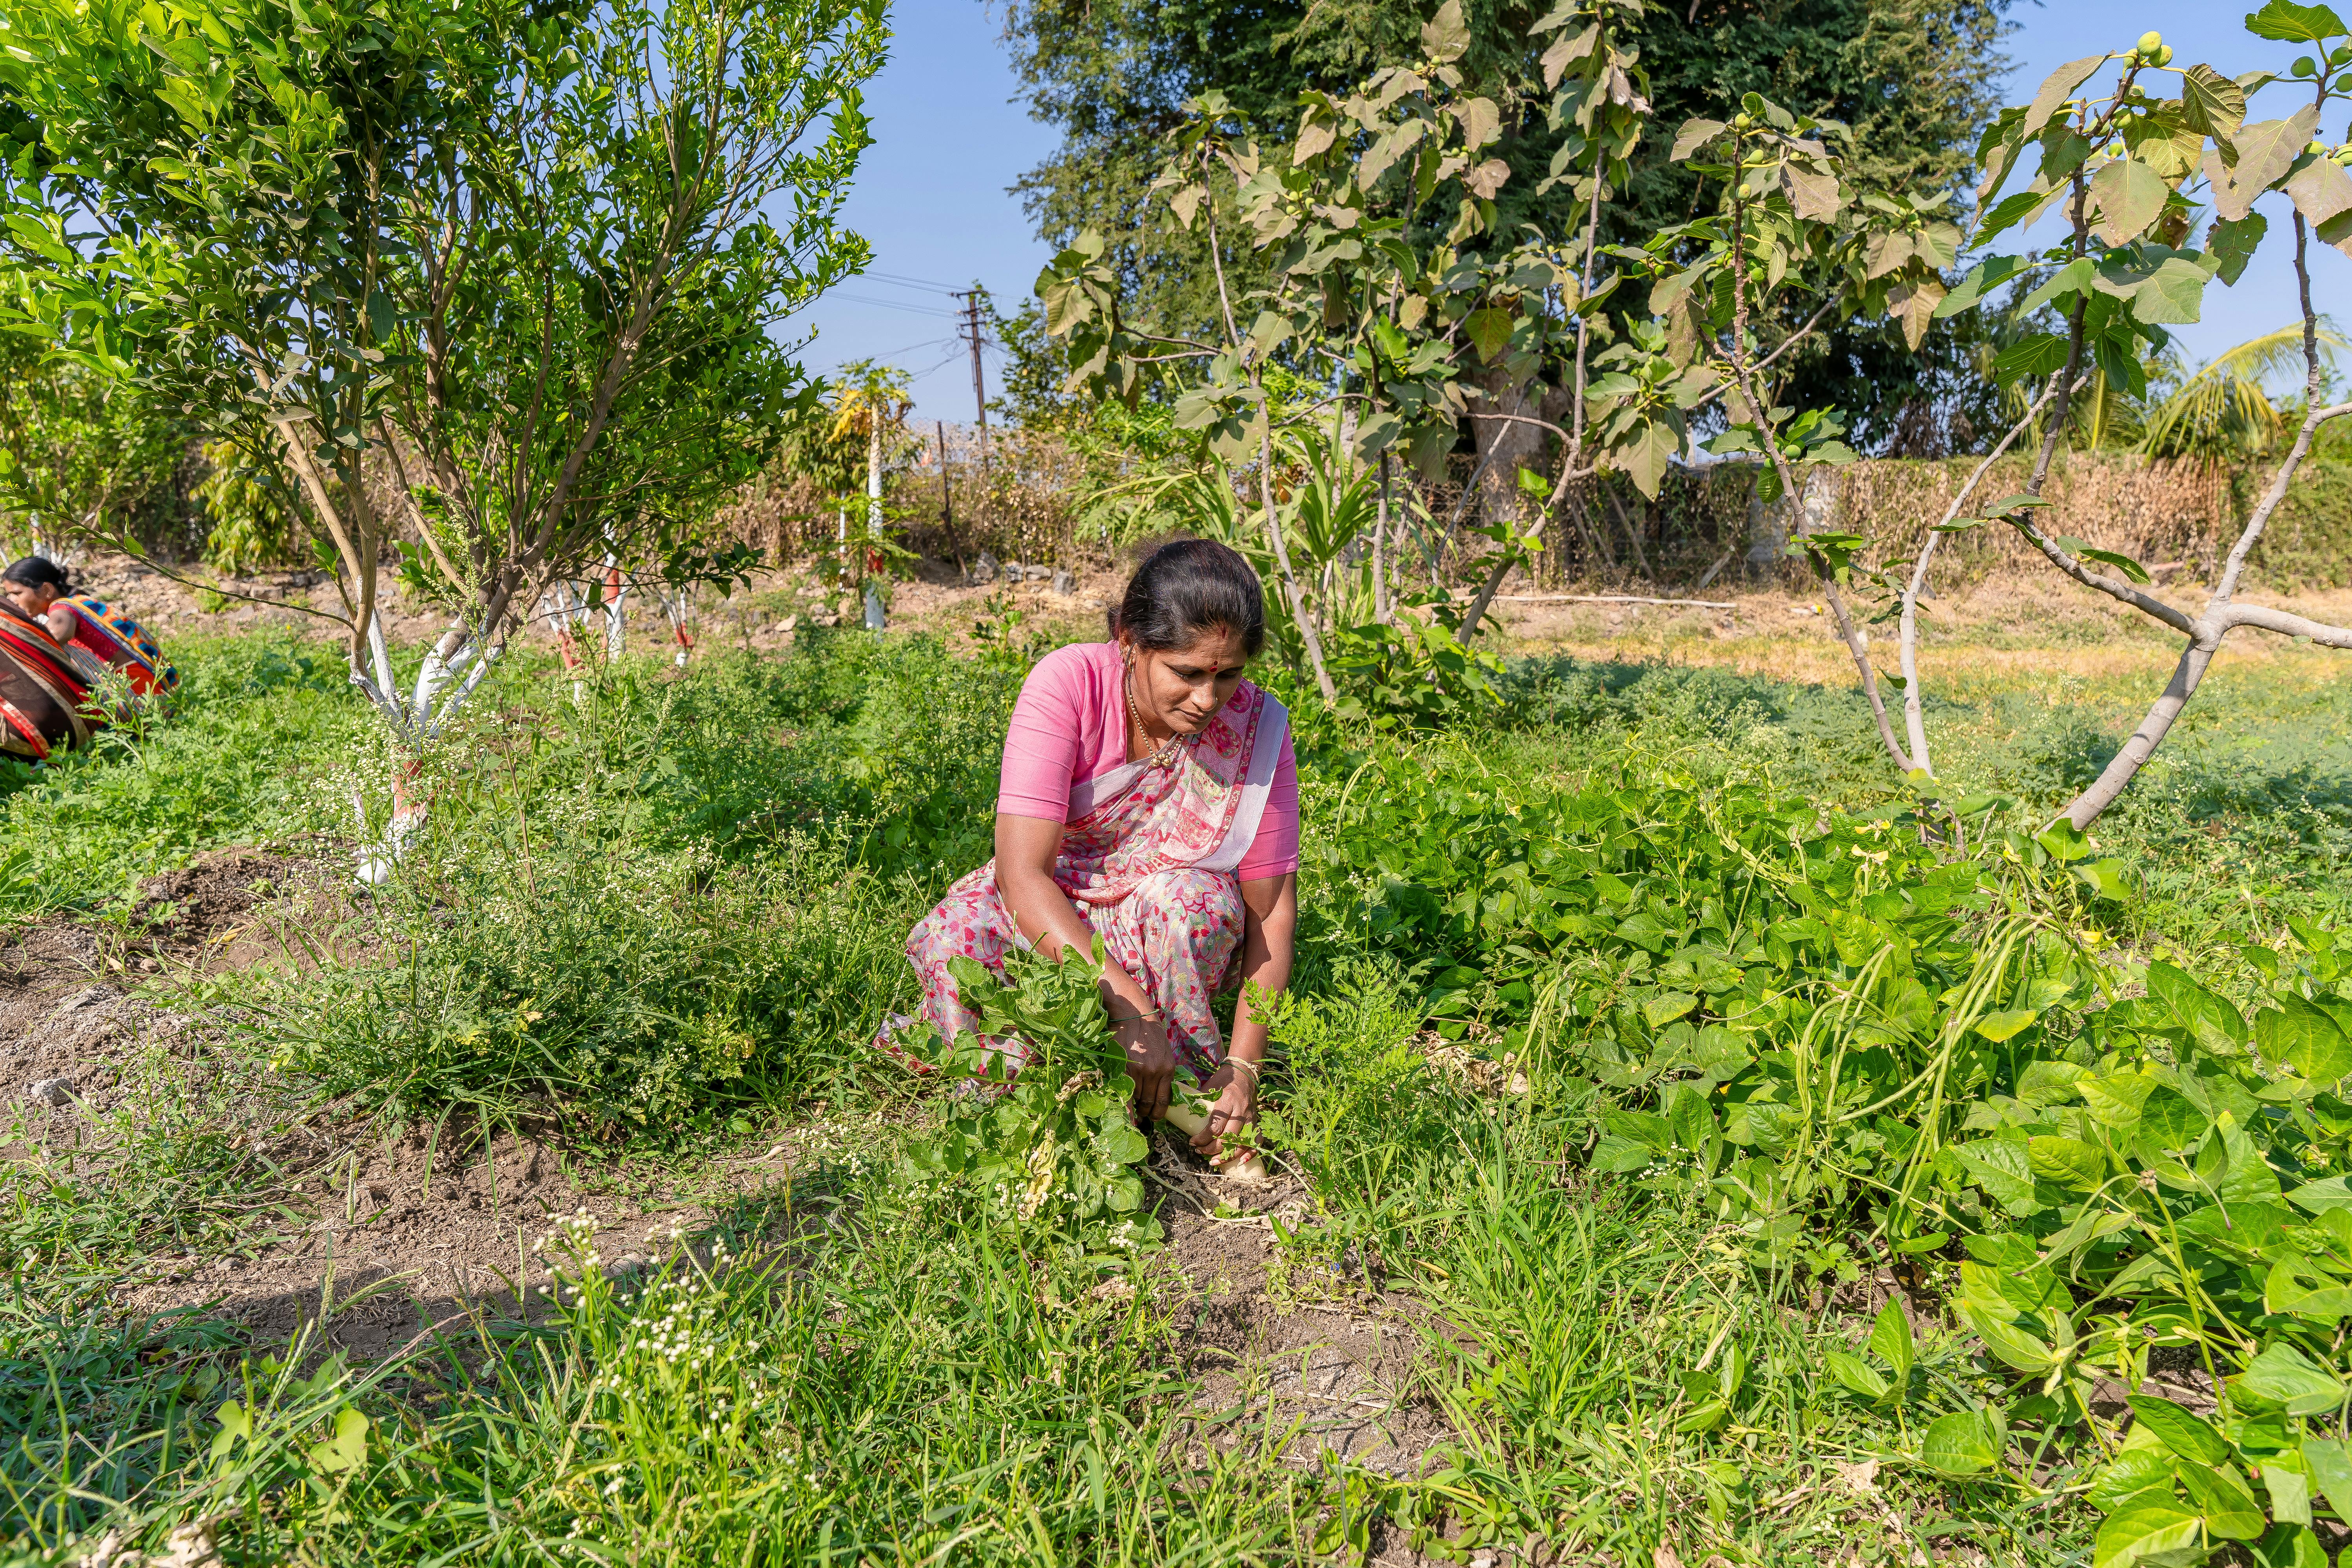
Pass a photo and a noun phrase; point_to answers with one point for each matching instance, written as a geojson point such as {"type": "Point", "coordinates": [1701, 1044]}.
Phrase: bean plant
{"type": "Point", "coordinates": [1054, 1148]}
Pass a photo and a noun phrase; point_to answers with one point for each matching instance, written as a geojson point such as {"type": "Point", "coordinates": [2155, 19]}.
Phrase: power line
{"type": "Point", "coordinates": [905, 280]}
{"type": "Point", "coordinates": [926, 344]}
{"type": "Point", "coordinates": [895, 305]}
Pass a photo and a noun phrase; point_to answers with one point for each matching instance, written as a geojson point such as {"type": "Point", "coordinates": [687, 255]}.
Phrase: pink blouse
{"type": "Point", "coordinates": [1070, 724]}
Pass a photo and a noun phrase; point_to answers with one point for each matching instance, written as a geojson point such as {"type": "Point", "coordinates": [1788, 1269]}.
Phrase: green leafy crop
{"type": "Point", "coordinates": [1056, 1148]}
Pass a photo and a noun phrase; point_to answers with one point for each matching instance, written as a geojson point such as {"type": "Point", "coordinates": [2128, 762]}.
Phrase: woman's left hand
{"type": "Point", "coordinates": [1235, 1113]}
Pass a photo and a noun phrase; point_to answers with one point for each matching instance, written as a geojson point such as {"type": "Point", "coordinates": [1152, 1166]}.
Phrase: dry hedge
{"type": "Point", "coordinates": [2179, 518]}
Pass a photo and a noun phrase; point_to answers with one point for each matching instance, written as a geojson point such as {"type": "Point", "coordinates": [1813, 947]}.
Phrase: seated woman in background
{"type": "Point", "coordinates": [36, 585]}
{"type": "Point", "coordinates": [55, 650]}
{"type": "Point", "coordinates": [1148, 796]}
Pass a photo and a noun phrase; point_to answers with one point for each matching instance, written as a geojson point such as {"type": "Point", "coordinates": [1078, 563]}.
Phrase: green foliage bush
{"type": "Point", "coordinates": [1052, 1150]}
{"type": "Point", "coordinates": [647, 990]}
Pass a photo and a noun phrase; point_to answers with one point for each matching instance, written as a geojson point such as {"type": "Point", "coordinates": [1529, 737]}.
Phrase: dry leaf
{"type": "Point", "coordinates": [189, 1546]}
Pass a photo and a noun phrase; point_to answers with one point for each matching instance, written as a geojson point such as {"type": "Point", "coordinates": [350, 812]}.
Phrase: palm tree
{"type": "Point", "coordinates": [2220, 411]}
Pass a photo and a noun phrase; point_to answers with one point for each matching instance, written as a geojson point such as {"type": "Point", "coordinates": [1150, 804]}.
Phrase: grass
{"type": "Point", "coordinates": [671, 916]}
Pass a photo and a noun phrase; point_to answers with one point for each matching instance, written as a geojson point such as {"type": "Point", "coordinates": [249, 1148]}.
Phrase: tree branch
{"type": "Point", "coordinates": [2286, 624]}
{"type": "Point", "coordinates": [1915, 722]}
{"type": "Point", "coordinates": [1745, 374]}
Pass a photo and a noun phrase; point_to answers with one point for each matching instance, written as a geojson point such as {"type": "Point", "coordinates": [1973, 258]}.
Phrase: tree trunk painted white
{"type": "Point", "coordinates": [616, 623]}
{"type": "Point", "coordinates": [415, 719]}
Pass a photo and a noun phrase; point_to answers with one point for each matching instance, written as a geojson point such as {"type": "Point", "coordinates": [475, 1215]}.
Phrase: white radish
{"type": "Point", "coordinates": [1191, 1117]}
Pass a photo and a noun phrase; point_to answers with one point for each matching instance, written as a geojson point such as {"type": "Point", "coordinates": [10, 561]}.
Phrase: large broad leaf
{"type": "Point", "coordinates": [2290, 22]}
{"type": "Point", "coordinates": [2133, 1471]}
{"type": "Point", "coordinates": [2052, 1082]}
{"type": "Point", "coordinates": [1647, 453]}
{"type": "Point", "coordinates": [1664, 1009]}
{"type": "Point", "coordinates": [2072, 278]}
{"type": "Point", "coordinates": [2233, 245]}
{"type": "Point", "coordinates": [2212, 1022]}
{"type": "Point", "coordinates": [2331, 1467]}
{"type": "Point", "coordinates": [1856, 1373]}
{"type": "Point", "coordinates": [1447, 36]}
{"type": "Point", "coordinates": [2323, 193]}
{"type": "Point", "coordinates": [2286, 1545]}
{"type": "Point", "coordinates": [2283, 1378]}
{"type": "Point", "coordinates": [2056, 88]}
{"type": "Point", "coordinates": [2017, 207]}
{"type": "Point", "coordinates": [2068, 1161]}
{"type": "Point", "coordinates": [2008, 1342]}
{"type": "Point", "coordinates": [2001, 1026]}
{"type": "Point", "coordinates": [1990, 273]}
{"type": "Point", "coordinates": [2211, 103]}
{"type": "Point", "coordinates": [2246, 1176]}
{"type": "Point", "coordinates": [1963, 1442]}
{"type": "Point", "coordinates": [2290, 1496]}
{"type": "Point", "coordinates": [1694, 135]}
{"type": "Point", "coordinates": [1890, 1340]}
{"type": "Point", "coordinates": [1640, 1126]}
{"type": "Point", "coordinates": [2129, 196]}
{"type": "Point", "coordinates": [2174, 294]}
{"type": "Point", "coordinates": [2116, 1099]}
{"type": "Point", "coordinates": [1489, 330]}
{"type": "Point", "coordinates": [1814, 192]}
{"type": "Point", "coordinates": [2154, 1528]}
{"type": "Point", "coordinates": [1620, 1156]}
{"type": "Point", "coordinates": [2266, 150]}
{"type": "Point", "coordinates": [1913, 305]}
{"type": "Point", "coordinates": [1567, 50]}
{"type": "Point", "coordinates": [2170, 1121]}
{"type": "Point", "coordinates": [2035, 356]}
{"type": "Point", "coordinates": [2225, 1500]}
{"type": "Point", "coordinates": [2003, 1169]}
{"type": "Point", "coordinates": [2298, 1035]}
{"type": "Point", "coordinates": [1124, 1145]}
{"type": "Point", "coordinates": [2318, 1197]}
{"type": "Point", "coordinates": [2184, 1432]}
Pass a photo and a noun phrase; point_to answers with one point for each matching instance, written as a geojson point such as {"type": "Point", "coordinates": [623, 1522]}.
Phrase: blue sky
{"type": "Point", "coordinates": [933, 196]}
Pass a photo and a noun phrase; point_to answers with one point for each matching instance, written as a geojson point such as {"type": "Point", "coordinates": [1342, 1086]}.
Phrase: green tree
{"type": "Point", "coordinates": [79, 448]}
{"type": "Point", "coordinates": [523, 256]}
{"type": "Point", "coordinates": [1911, 78]}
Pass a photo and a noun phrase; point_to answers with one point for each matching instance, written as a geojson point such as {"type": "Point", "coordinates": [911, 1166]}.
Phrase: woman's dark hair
{"type": "Point", "coordinates": [39, 572]}
{"type": "Point", "coordinates": [1186, 587]}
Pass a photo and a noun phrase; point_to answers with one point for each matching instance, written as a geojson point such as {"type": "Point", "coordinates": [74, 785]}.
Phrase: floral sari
{"type": "Point", "coordinates": [1147, 857]}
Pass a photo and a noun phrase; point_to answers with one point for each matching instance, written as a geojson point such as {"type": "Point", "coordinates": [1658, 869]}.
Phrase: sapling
{"type": "Point", "coordinates": [2119, 166]}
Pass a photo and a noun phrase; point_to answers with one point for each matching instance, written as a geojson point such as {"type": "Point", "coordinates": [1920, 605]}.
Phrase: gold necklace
{"type": "Point", "coordinates": [1135, 717]}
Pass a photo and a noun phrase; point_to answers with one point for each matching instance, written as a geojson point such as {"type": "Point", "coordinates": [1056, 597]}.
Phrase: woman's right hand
{"type": "Point", "coordinates": [1149, 1062]}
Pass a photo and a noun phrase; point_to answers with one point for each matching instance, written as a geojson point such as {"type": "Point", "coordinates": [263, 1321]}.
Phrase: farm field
{"type": "Point", "coordinates": [547, 1204]}
{"type": "Point", "coordinates": [1803, 560]}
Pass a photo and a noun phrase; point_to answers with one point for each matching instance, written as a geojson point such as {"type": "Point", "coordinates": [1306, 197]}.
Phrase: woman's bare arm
{"type": "Point", "coordinates": [1269, 936]}
{"type": "Point", "coordinates": [1025, 848]}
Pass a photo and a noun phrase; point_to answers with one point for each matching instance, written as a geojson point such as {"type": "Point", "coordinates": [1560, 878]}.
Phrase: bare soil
{"type": "Point", "coordinates": [1293, 1348]}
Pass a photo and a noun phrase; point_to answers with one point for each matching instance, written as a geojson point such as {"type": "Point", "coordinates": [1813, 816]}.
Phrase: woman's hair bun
{"type": "Point", "coordinates": [39, 572]}
{"type": "Point", "coordinates": [1187, 588]}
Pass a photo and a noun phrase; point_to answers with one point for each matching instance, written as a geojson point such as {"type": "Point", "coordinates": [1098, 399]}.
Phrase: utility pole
{"type": "Point", "coordinates": [968, 328]}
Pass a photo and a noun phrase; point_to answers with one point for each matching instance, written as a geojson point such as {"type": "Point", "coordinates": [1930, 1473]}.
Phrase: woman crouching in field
{"type": "Point", "coordinates": [1148, 796]}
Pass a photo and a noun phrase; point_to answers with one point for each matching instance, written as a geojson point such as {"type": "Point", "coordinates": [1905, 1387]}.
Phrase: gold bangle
{"type": "Point", "coordinates": [1246, 1065]}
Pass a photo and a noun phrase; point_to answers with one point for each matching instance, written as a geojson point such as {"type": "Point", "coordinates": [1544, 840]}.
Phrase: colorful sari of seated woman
{"type": "Point", "coordinates": [1149, 797]}
{"type": "Point", "coordinates": [44, 694]}
{"type": "Point", "coordinates": [58, 652]}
